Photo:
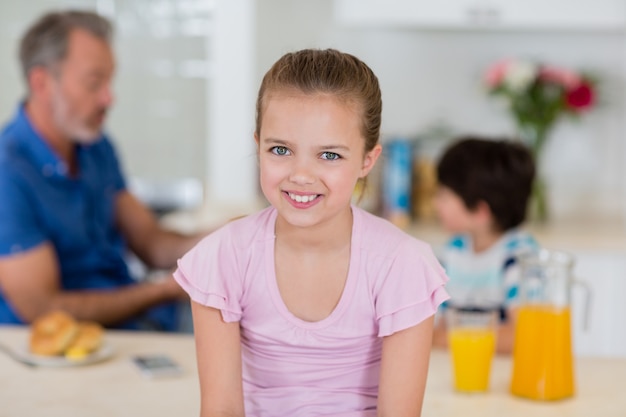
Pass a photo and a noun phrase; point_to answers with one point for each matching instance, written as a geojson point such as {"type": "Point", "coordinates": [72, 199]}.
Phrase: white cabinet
{"type": "Point", "coordinates": [492, 14]}
{"type": "Point", "coordinates": [561, 14]}
{"type": "Point", "coordinates": [405, 12]}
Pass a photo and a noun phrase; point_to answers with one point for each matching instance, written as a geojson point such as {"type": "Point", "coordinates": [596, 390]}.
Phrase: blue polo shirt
{"type": "Point", "coordinates": [40, 202]}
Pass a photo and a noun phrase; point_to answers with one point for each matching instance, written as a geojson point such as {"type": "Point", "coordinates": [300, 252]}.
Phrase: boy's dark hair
{"type": "Point", "coordinates": [498, 172]}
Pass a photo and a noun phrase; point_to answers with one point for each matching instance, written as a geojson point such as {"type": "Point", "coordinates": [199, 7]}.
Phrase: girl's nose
{"type": "Point", "coordinates": [302, 173]}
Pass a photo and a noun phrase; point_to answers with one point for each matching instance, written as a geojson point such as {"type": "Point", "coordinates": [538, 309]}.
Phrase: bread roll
{"type": "Point", "coordinates": [88, 338]}
{"type": "Point", "coordinates": [52, 333]}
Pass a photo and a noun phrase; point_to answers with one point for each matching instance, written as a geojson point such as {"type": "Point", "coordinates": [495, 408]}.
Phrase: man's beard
{"type": "Point", "coordinates": [75, 129]}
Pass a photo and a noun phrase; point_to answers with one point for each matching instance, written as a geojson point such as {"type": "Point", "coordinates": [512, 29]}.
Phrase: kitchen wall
{"type": "Point", "coordinates": [432, 77]}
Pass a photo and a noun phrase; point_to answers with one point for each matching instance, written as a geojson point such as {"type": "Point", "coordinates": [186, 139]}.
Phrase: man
{"type": "Point", "coordinates": [66, 216]}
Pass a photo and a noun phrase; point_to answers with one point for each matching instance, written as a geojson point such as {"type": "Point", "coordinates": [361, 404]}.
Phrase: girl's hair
{"type": "Point", "coordinates": [314, 71]}
{"type": "Point", "coordinates": [497, 171]}
{"type": "Point", "coordinates": [45, 43]}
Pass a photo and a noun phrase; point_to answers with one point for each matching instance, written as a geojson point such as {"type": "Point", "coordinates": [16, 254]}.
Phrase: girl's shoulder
{"type": "Point", "coordinates": [380, 236]}
{"type": "Point", "coordinates": [243, 231]}
{"type": "Point", "coordinates": [375, 228]}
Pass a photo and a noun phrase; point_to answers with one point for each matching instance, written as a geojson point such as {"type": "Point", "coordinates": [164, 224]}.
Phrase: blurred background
{"type": "Point", "coordinates": [188, 73]}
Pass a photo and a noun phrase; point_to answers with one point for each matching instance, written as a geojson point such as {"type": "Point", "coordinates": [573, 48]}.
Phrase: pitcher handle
{"type": "Point", "coordinates": [587, 303]}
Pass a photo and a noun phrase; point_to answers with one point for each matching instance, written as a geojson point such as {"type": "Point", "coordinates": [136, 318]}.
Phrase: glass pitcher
{"type": "Point", "coordinates": [543, 366]}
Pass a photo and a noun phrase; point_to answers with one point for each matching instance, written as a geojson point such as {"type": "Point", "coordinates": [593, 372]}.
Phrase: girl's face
{"type": "Point", "coordinates": [454, 215]}
{"type": "Point", "coordinates": [311, 154]}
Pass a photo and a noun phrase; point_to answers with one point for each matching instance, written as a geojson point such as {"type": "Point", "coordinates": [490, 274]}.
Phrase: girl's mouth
{"type": "Point", "coordinates": [302, 198]}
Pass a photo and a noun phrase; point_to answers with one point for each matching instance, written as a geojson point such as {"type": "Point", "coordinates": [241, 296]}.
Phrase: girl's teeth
{"type": "Point", "coordinates": [302, 198]}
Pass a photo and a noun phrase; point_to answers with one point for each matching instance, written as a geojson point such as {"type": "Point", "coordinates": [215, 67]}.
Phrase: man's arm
{"type": "Point", "coordinates": [154, 245]}
{"type": "Point", "coordinates": [31, 282]}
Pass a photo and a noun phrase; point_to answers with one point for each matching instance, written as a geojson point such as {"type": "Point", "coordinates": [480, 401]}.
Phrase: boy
{"type": "Point", "coordinates": [484, 186]}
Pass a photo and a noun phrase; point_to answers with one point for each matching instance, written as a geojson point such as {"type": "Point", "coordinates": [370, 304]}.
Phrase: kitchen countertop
{"type": "Point", "coordinates": [110, 388]}
{"type": "Point", "coordinates": [115, 388]}
{"type": "Point", "coordinates": [597, 394]}
{"type": "Point", "coordinates": [574, 234]}
{"type": "Point", "coordinates": [606, 234]}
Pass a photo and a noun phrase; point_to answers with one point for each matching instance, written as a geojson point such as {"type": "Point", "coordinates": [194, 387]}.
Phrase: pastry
{"type": "Point", "coordinates": [52, 333]}
{"type": "Point", "coordinates": [88, 339]}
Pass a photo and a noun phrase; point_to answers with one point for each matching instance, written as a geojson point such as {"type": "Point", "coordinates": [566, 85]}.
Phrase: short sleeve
{"type": "Point", "coordinates": [19, 226]}
{"type": "Point", "coordinates": [210, 275]}
{"type": "Point", "coordinates": [412, 289]}
{"type": "Point", "coordinates": [518, 247]}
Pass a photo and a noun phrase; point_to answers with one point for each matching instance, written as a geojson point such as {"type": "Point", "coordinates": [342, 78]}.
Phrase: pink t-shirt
{"type": "Point", "coordinates": [296, 368]}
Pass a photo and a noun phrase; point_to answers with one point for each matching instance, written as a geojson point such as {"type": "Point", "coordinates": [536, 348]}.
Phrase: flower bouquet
{"type": "Point", "coordinates": [537, 96]}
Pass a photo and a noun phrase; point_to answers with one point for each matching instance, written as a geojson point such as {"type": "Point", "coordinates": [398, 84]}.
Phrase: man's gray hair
{"type": "Point", "coordinates": [45, 43]}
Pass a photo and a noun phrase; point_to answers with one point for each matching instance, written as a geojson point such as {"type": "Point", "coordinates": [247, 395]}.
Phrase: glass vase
{"type": "Point", "coordinates": [534, 136]}
{"type": "Point", "coordinates": [538, 204]}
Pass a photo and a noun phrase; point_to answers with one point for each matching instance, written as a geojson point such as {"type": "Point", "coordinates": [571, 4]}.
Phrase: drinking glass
{"type": "Point", "coordinates": [472, 343]}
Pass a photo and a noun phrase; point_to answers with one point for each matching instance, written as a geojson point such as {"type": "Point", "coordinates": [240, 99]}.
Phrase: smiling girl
{"type": "Point", "coordinates": [313, 307]}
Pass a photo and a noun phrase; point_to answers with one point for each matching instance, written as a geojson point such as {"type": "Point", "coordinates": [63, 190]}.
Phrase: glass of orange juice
{"type": "Point", "coordinates": [472, 343]}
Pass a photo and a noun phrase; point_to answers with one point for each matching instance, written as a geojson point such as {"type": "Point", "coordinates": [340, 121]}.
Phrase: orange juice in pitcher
{"type": "Point", "coordinates": [542, 353]}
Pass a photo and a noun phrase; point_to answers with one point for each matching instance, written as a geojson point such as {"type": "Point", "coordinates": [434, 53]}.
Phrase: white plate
{"type": "Point", "coordinates": [105, 352]}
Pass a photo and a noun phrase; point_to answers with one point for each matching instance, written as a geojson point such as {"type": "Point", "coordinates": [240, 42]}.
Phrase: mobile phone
{"type": "Point", "coordinates": [154, 366]}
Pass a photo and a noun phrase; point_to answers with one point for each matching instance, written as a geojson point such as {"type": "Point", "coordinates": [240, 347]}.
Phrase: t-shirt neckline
{"type": "Point", "coordinates": [349, 287]}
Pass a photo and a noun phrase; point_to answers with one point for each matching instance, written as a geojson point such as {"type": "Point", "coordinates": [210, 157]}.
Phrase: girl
{"type": "Point", "coordinates": [313, 307]}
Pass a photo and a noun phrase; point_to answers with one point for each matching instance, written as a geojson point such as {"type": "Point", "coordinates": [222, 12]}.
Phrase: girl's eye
{"type": "Point", "coordinates": [279, 150]}
{"type": "Point", "coordinates": [331, 156]}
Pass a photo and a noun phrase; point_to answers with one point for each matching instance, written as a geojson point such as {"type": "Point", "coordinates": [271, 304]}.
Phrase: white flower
{"type": "Point", "coordinates": [519, 75]}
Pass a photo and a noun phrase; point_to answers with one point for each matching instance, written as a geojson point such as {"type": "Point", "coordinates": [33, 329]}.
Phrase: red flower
{"type": "Point", "coordinates": [580, 97]}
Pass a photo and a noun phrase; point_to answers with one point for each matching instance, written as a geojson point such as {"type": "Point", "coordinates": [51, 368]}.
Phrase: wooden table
{"type": "Point", "coordinates": [115, 387]}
